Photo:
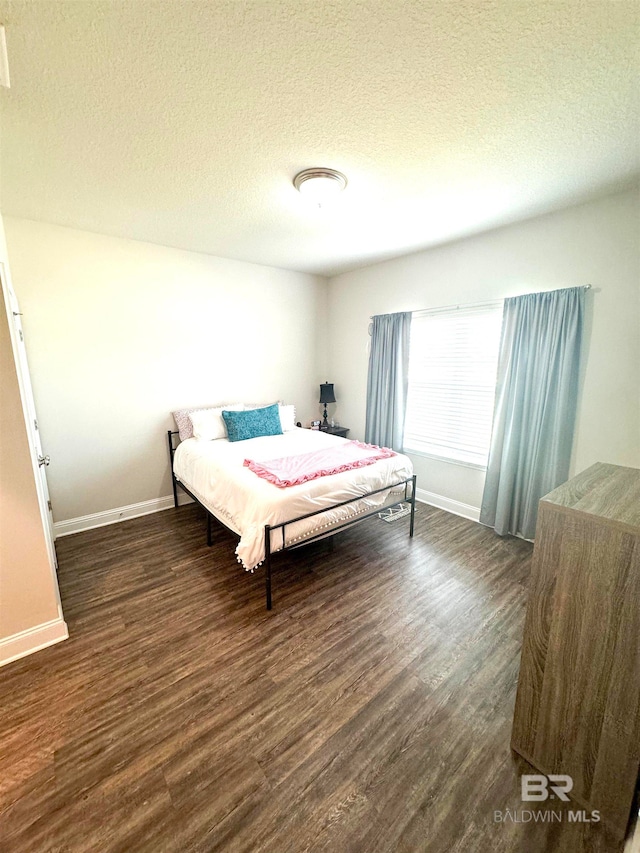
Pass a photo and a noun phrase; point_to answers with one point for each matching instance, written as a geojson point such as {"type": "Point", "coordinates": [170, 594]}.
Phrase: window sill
{"type": "Point", "coordinates": [476, 466]}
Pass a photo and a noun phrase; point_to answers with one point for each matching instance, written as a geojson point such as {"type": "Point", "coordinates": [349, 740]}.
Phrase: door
{"type": "Point", "coordinates": [39, 459]}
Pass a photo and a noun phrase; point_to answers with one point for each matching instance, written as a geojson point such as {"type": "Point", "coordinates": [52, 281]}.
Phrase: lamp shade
{"type": "Point", "coordinates": [326, 393]}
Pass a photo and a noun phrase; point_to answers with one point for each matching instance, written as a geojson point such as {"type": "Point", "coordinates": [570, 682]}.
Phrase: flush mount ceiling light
{"type": "Point", "coordinates": [320, 185]}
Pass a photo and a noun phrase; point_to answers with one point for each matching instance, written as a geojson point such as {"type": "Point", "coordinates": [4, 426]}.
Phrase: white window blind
{"type": "Point", "coordinates": [452, 377]}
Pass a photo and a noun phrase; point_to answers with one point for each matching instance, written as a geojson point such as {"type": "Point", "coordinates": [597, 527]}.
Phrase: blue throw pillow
{"type": "Point", "coordinates": [252, 423]}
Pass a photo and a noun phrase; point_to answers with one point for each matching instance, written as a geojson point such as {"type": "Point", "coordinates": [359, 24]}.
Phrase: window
{"type": "Point", "coordinates": [452, 378]}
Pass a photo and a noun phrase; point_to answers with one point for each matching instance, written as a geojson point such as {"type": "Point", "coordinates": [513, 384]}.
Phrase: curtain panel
{"type": "Point", "coordinates": [388, 380]}
{"type": "Point", "coordinates": [535, 407]}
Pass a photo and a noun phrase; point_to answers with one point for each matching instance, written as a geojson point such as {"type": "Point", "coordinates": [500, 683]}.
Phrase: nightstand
{"type": "Point", "coordinates": [335, 430]}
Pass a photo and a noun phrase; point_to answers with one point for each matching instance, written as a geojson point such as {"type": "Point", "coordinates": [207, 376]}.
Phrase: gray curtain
{"type": "Point", "coordinates": [535, 407]}
{"type": "Point", "coordinates": [388, 380]}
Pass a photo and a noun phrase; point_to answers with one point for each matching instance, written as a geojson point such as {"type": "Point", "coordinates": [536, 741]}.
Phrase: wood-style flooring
{"type": "Point", "coordinates": [369, 712]}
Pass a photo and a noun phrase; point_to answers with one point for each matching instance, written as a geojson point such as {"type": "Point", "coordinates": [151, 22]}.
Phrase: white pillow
{"type": "Point", "coordinates": [247, 406]}
{"type": "Point", "coordinates": [287, 417]}
{"type": "Point", "coordinates": [209, 425]}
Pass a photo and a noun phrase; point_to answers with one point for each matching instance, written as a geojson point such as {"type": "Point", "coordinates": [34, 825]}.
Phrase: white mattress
{"type": "Point", "coordinates": [214, 472]}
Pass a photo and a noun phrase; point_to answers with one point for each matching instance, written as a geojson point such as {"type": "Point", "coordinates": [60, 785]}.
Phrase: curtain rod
{"type": "Point", "coordinates": [479, 304]}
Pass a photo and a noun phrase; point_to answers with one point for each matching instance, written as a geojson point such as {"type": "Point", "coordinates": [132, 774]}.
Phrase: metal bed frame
{"type": "Point", "coordinates": [409, 497]}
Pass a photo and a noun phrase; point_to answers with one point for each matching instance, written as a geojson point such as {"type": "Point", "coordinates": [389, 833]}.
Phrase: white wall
{"type": "Point", "coordinates": [596, 243]}
{"type": "Point", "coordinates": [120, 333]}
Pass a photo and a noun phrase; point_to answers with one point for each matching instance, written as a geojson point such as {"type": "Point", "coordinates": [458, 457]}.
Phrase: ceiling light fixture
{"type": "Point", "coordinates": [320, 185]}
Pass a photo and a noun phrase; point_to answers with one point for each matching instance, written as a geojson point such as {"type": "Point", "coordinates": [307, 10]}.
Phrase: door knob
{"type": "Point", "coordinates": [43, 460]}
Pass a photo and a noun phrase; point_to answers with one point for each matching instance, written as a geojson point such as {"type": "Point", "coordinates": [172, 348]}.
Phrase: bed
{"type": "Point", "coordinates": [221, 476]}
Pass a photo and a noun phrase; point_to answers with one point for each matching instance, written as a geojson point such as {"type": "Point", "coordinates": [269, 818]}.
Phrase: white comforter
{"type": "Point", "coordinates": [213, 471]}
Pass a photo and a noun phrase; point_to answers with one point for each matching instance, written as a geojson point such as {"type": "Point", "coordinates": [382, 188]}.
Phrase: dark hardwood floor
{"type": "Point", "coordinates": [369, 712]}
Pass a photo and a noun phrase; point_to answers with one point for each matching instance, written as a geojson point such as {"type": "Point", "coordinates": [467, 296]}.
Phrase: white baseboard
{"type": "Point", "coordinates": [456, 507]}
{"type": "Point", "coordinates": [120, 513]}
{"type": "Point", "coordinates": [32, 640]}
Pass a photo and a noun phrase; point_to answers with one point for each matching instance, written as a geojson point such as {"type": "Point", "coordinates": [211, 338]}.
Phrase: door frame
{"type": "Point", "coordinates": [30, 418]}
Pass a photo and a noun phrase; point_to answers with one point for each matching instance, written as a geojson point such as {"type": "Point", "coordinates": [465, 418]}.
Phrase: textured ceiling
{"type": "Point", "coordinates": [183, 123]}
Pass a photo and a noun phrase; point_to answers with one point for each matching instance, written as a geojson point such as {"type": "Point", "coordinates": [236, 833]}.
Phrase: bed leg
{"type": "Point", "coordinates": [209, 537]}
{"type": "Point", "coordinates": [413, 505]}
{"type": "Point", "coordinates": [173, 476]}
{"type": "Point", "coordinates": [267, 563]}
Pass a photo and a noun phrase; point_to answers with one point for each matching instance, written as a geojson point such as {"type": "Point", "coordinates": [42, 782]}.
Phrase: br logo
{"type": "Point", "coordinates": [537, 788]}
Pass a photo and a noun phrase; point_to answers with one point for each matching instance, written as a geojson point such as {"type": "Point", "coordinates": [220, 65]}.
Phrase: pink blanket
{"type": "Point", "coordinates": [294, 470]}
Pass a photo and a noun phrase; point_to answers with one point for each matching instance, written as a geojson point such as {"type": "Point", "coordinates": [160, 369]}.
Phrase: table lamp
{"type": "Point", "coordinates": [326, 396]}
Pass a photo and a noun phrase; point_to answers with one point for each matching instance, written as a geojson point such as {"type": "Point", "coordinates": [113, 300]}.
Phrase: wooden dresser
{"type": "Point", "coordinates": [578, 703]}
